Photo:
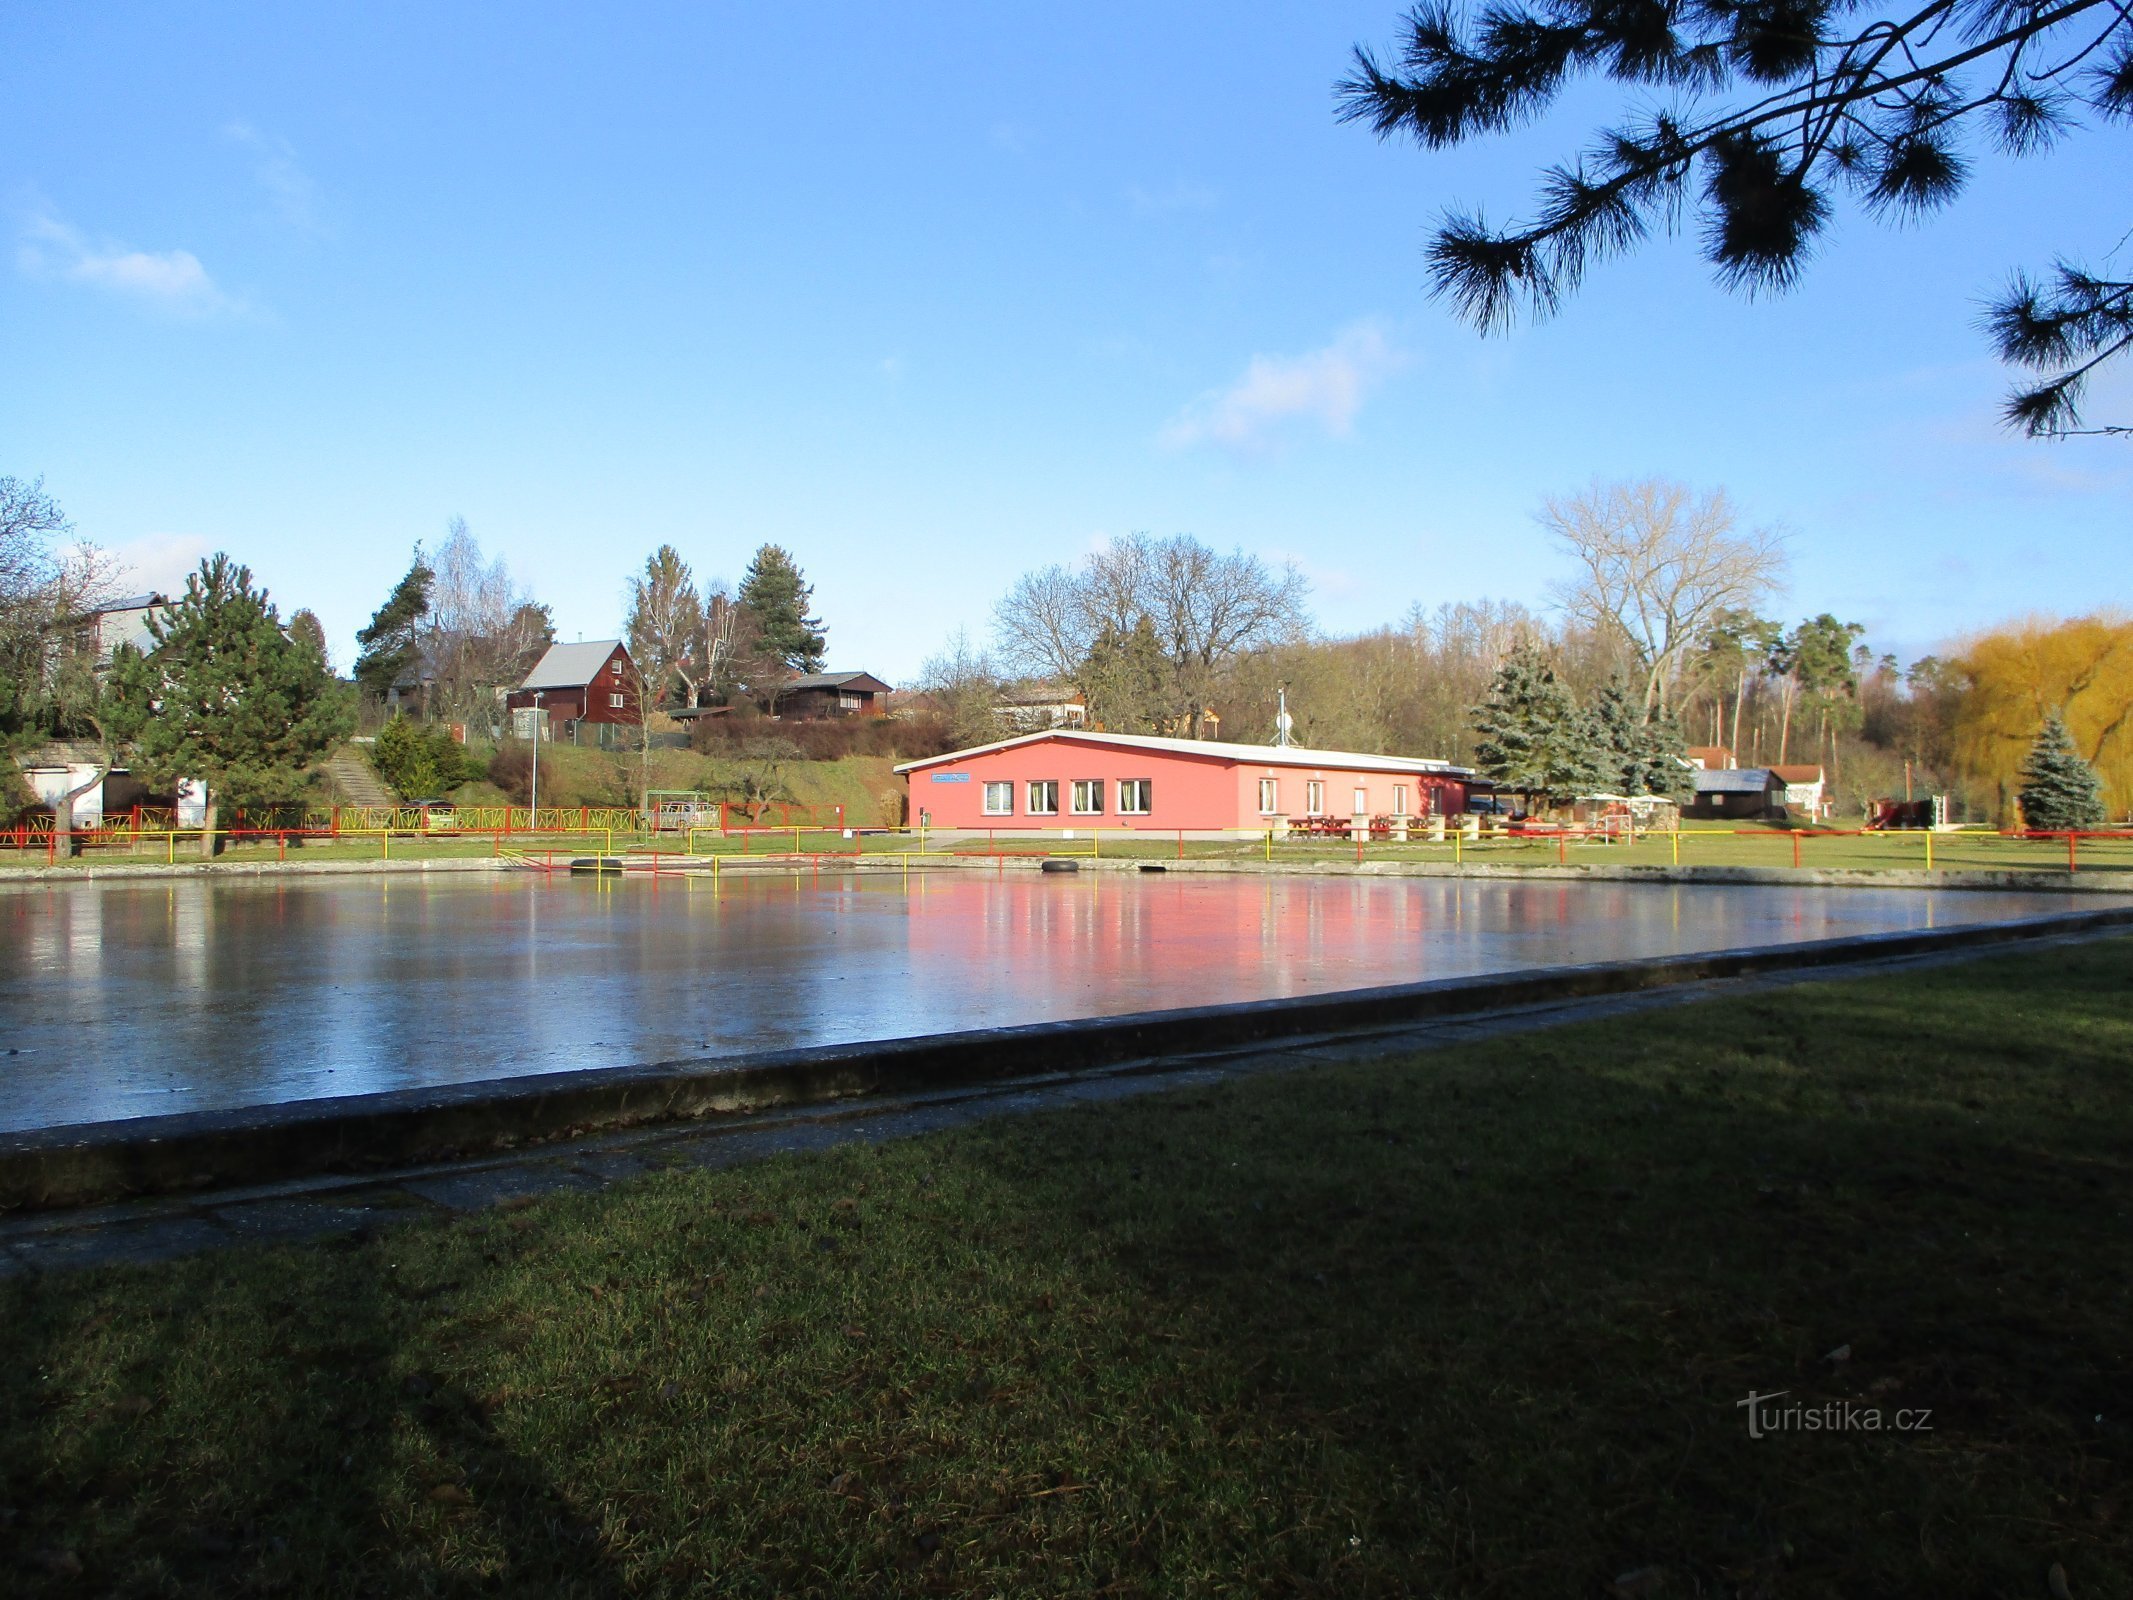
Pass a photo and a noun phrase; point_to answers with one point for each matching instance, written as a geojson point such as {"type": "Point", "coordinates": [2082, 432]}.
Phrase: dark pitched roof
{"type": "Point", "coordinates": [864, 681]}
{"type": "Point", "coordinates": [1737, 780]}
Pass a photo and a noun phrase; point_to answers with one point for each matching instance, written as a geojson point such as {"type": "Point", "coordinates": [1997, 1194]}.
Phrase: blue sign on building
{"type": "Point", "coordinates": [951, 777]}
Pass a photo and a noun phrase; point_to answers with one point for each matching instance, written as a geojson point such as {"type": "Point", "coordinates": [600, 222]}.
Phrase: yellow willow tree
{"type": "Point", "coordinates": [2019, 675]}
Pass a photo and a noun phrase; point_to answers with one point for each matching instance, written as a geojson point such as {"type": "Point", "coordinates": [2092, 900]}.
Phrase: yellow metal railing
{"type": "Point", "coordinates": [516, 833]}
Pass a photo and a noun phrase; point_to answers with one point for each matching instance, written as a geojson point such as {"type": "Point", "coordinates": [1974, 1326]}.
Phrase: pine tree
{"type": "Point", "coordinates": [391, 645]}
{"type": "Point", "coordinates": [225, 698]}
{"type": "Point", "coordinates": [776, 597]}
{"type": "Point", "coordinates": [2060, 791]}
{"type": "Point", "coordinates": [1534, 740]}
{"type": "Point", "coordinates": [419, 761]}
{"type": "Point", "coordinates": [306, 629]}
{"type": "Point", "coordinates": [1126, 680]}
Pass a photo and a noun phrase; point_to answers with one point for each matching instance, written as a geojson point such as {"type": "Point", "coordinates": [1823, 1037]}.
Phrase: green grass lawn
{"type": "Point", "coordinates": [1471, 1324]}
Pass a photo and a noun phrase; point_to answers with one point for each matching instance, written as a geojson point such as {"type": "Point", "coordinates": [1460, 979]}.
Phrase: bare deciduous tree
{"type": "Point", "coordinates": [1205, 609]}
{"type": "Point", "coordinates": [82, 579]}
{"type": "Point", "coordinates": [721, 621]}
{"type": "Point", "coordinates": [755, 664]}
{"type": "Point", "coordinates": [965, 682]}
{"type": "Point", "coordinates": [474, 633]}
{"type": "Point", "coordinates": [29, 519]}
{"type": "Point", "coordinates": [1658, 564]}
{"type": "Point", "coordinates": [1042, 625]}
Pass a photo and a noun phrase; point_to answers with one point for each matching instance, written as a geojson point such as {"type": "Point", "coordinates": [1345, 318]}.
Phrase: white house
{"type": "Point", "coordinates": [1807, 791]}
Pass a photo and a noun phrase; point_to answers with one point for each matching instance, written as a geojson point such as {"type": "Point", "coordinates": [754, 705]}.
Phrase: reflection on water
{"type": "Point", "coordinates": [124, 1000]}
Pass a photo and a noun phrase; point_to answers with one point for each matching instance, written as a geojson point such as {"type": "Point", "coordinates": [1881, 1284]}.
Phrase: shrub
{"type": "Point", "coordinates": [903, 738]}
{"type": "Point", "coordinates": [418, 761]}
{"type": "Point", "coordinates": [16, 796]}
{"type": "Point", "coordinates": [511, 770]}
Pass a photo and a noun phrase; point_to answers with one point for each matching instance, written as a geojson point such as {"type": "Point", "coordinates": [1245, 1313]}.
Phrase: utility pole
{"type": "Point", "coordinates": [1283, 722]}
{"type": "Point", "coordinates": [535, 794]}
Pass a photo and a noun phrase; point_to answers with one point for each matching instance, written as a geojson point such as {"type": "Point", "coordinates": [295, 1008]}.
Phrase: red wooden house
{"type": "Point", "coordinates": [587, 690]}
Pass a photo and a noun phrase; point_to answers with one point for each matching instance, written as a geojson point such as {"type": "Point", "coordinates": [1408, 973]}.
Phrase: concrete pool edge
{"type": "Point", "coordinates": [95, 1163]}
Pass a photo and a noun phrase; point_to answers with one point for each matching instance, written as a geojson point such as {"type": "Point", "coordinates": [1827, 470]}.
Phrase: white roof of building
{"type": "Point", "coordinates": [135, 602]}
{"type": "Point", "coordinates": [570, 666]}
{"type": "Point", "coordinates": [1257, 755]}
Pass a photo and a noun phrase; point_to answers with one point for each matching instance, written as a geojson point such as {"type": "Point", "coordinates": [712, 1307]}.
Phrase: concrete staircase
{"type": "Point", "coordinates": [357, 779]}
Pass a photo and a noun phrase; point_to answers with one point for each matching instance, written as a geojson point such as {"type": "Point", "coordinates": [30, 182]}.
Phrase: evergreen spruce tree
{"type": "Point", "coordinates": [775, 597]}
{"type": "Point", "coordinates": [226, 698]}
{"type": "Point", "coordinates": [1636, 754]}
{"type": "Point", "coordinates": [1534, 739]}
{"type": "Point", "coordinates": [1126, 680]}
{"type": "Point", "coordinates": [1661, 768]}
{"type": "Point", "coordinates": [2060, 791]}
{"type": "Point", "coordinates": [1618, 738]}
{"type": "Point", "coordinates": [392, 644]}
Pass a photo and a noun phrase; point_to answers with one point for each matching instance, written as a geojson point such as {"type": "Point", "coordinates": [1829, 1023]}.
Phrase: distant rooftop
{"type": "Point", "coordinates": [570, 666]}
{"type": "Point", "coordinates": [839, 680]}
{"type": "Point", "coordinates": [1735, 780]}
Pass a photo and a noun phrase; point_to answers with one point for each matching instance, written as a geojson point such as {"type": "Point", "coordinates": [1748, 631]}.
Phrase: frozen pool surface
{"type": "Point", "coordinates": [134, 999]}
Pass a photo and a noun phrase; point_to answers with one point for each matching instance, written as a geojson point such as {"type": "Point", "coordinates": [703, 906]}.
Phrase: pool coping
{"type": "Point", "coordinates": [94, 1163]}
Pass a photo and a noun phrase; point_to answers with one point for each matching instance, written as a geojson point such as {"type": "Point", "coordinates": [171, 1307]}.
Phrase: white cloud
{"type": "Point", "coordinates": [172, 280]}
{"type": "Point", "coordinates": [289, 188]}
{"type": "Point", "coordinates": [161, 561]}
{"type": "Point", "coordinates": [1274, 393]}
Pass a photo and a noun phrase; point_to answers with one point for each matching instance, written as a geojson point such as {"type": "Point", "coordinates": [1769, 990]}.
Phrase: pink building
{"type": "Point", "coordinates": [1068, 778]}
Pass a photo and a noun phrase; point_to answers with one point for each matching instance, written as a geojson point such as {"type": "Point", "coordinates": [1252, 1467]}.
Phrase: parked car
{"type": "Point", "coordinates": [437, 815]}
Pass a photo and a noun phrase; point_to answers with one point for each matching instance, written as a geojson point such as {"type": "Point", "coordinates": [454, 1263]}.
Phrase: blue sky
{"type": "Point", "coordinates": [932, 295]}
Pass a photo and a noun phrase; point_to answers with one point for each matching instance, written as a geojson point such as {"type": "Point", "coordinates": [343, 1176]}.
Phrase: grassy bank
{"type": "Point", "coordinates": [865, 786]}
{"type": "Point", "coordinates": [1474, 1325]}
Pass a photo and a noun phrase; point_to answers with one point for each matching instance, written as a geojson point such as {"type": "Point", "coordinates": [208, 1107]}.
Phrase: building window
{"type": "Point", "coordinates": [1269, 797]}
{"type": "Point", "coordinates": [999, 799]}
{"type": "Point", "coordinates": [1362, 800]}
{"type": "Point", "coordinates": [848, 702]}
{"type": "Point", "coordinates": [615, 667]}
{"type": "Point", "coordinates": [1044, 797]}
{"type": "Point", "coordinates": [1088, 797]}
{"type": "Point", "coordinates": [614, 702]}
{"type": "Point", "coordinates": [1315, 798]}
{"type": "Point", "coordinates": [1136, 796]}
